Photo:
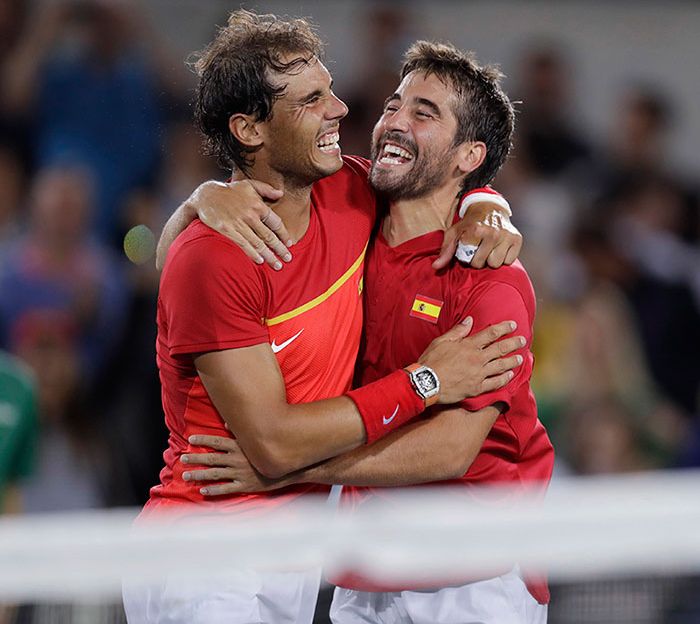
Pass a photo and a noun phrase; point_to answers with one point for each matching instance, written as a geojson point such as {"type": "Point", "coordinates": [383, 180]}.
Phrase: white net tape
{"type": "Point", "coordinates": [647, 523]}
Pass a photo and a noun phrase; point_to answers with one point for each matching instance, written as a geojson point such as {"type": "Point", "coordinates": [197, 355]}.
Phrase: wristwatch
{"type": "Point", "coordinates": [425, 382]}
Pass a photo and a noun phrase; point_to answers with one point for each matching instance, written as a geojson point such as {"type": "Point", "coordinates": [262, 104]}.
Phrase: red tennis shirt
{"type": "Point", "coordinates": [212, 297]}
{"type": "Point", "coordinates": [423, 305]}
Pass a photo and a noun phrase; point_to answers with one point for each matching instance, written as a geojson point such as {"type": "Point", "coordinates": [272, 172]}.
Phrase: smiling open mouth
{"type": "Point", "coordinates": [393, 154]}
{"type": "Point", "coordinates": [329, 142]}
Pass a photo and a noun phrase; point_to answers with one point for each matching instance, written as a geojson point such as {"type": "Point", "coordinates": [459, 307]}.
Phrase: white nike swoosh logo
{"type": "Point", "coordinates": [276, 348]}
{"type": "Point", "coordinates": [388, 420]}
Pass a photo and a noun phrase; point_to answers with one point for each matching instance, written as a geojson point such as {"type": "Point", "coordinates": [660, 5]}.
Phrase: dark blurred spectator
{"type": "Point", "coordinates": [639, 143]}
{"type": "Point", "coordinates": [55, 266]}
{"type": "Point", "coordinates": [603, 438]}
{"type": "Point", "coordinates": [90, 90]}
{"type": "Point", "coordinates": [14, 129]}
{"type": "Point", "coordinates": [12, 194]}
{"type": "Point", "coordinates": [387, 30]}
{"type": "Point", "coordinates": [133, 387]}
{"type": "Point", "coordinates": [657, 321]}
{"type": "Point", "coordinates": [653, 231]}
{"type": "Point", "coordinates": [620, 301]}
{"type": "Point", "coordinates": [546, 133]}
{"type": "Point", "coordinates": [72, 468]}
{"type": "Point", "coordinates": [62, 300]}
{"type": "Point", "coordinates": [647, 219]}
{"type": "Point", "coordinates": [591, 357]}
{"type": "Point", "coordinates": [184, 167]}
{"type": "Point", "coordinates": [640, 150]}
{"type": "Point", "coordinates": [13, 14]}
{"type": "Point", "coordinates": [544, 210]}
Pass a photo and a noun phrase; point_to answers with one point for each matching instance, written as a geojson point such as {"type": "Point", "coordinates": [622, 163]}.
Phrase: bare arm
{"type": "Point", "coordinates": [248, 391]}
{"type": "Point", "coordinates": [435, 449]}
{"type": "Point", "coordinates": [238, 210]}
{"type": "Point", "coordinates": [485, 226]}
{"type": "Point", "coordinates": [178, 221]}
{"type": "Point", "coordinates": [213, 203]}
{"type": "Point", "coordinates": [438, 448]}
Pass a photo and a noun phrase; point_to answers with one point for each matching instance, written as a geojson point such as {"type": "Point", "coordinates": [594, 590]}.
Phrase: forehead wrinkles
{"type": "Point", "coordinates": [302, 78]}
{"type": "Point", "coordinates": [448, 99]}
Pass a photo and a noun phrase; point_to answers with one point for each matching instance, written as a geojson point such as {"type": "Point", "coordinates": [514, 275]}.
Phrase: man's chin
{"type": "Point", "coordinates": [329, 168]}
{"type": "Point", "coordinates": [386, 184]}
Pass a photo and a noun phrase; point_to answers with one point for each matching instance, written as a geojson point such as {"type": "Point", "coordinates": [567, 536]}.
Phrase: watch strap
{"type": "Point", "coordinates": [414, 367]}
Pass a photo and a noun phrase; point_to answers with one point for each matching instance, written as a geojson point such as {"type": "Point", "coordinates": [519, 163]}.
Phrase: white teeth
{"type": "Point", "coordinates": [329, 142]}
{"type": "Point", "coordinates": [399, 151]}
{"type": "Point", "coordinates": [386, 160]}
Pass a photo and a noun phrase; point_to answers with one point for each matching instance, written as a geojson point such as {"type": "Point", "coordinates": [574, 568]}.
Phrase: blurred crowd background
{"type": "Point", "coordinates": [96, 137]}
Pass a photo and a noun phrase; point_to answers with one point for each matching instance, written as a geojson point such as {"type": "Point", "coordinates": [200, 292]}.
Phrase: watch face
{"type": "Point", "coordinates": [426, 381]}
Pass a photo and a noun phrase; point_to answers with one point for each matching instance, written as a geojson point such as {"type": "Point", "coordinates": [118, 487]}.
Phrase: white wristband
{"type": "Point", "coordinates": [483, 196]}
{"type": "Point", "coordinates": [465, 252]}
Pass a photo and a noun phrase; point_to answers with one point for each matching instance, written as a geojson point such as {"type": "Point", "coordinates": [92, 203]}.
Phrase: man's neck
{"type": "Point", "coordinates": [294, 208]}
{"type": "Point", "coordinates": [411, 218]}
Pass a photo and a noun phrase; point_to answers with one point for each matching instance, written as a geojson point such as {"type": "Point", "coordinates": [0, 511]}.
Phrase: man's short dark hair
{"type": "Point", "coordinates": [235, 72]}
{"type": "Point", "coordinates": [483, 111]}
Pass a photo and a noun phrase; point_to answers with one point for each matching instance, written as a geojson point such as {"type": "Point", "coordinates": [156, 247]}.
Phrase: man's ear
{"type": "Point", "coordinates": [471, 156]}
{"type": "Point", "coordinates": [245, 129]}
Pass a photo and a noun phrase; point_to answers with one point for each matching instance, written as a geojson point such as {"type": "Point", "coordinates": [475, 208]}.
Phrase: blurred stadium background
{"type": "Point", "coordinates": [95, 138]}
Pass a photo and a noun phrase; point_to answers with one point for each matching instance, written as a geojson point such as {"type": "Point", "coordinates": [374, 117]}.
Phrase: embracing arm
{"type": "Point", "coordinates": [213, 203]}
{"type": "Point", "coordinates": [484, 234]}
{"type": "Point", "coordinates": [238, 210]}
{"type": "Point", "coordinates": [438, 448]}
{"type": "Point", "coordinates": [435, 449]}
{"type": "Point", "coordinates": [248, 391]}
{"type": "Point", "coordinates": [211, 308]}
{"type": "Point", "coordinates": [178, 221]}
{"type": "Point", "coordinates": [247, 388]}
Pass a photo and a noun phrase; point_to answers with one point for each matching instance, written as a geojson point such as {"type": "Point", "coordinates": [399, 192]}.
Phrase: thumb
{"type": "Point", "coordinates": [468, 324]}
{"type": "Point", "coordinates": [265, 190]}
{"type": "Point", "coordinates": [447, 251]}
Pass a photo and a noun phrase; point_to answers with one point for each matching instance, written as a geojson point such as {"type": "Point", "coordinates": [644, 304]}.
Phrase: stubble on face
{"type": "Point", "coordinates": [427, 173]}
{"type": "Point", "coordinates": [297, 129]}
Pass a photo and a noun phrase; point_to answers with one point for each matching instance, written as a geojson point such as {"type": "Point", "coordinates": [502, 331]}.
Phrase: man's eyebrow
{"type": "Point", "coordinates": [391, 98]}
{"type": "Point", "coordinates": [314, 94]}
{"type": "Point", "coordinates": [430, 104]}
{"type": "Point", "coordinates": [310, 96]}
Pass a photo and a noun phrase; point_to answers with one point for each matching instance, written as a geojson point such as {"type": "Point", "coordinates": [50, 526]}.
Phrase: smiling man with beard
{"type": "Point", "coordinates": [445, 131]}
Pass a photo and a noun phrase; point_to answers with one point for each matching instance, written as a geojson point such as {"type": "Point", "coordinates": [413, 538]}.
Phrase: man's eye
{"type": "Point", "coordinates": [423, 115]}
{"type": "Point", "coordinates": [311, 100]}
{"type": "Point", "coordinates": [391, 108]}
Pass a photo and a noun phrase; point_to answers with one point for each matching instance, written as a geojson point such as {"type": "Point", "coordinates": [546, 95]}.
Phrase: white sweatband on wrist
{"type": "Point", "coordinates": [465, 252]}
{"type": "Point", "coordinates": [486, 197]}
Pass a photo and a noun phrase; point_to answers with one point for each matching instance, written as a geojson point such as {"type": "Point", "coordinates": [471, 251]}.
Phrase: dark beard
{"type": "Point", "coordinates": [427, 174]}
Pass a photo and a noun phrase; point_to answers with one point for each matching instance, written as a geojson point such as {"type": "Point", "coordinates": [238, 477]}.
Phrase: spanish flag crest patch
{"type": "Point", "coordinates": [426, 308]}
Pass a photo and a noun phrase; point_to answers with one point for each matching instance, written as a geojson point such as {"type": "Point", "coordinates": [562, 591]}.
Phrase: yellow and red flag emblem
{"type": "Point", "coordinates": [426, 308]}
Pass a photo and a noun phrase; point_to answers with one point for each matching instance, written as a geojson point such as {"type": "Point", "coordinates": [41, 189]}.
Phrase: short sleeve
{"type": "Point", "coordinates": [211, 298]}
{"type": "Point", "coordinates": [495, 302]}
